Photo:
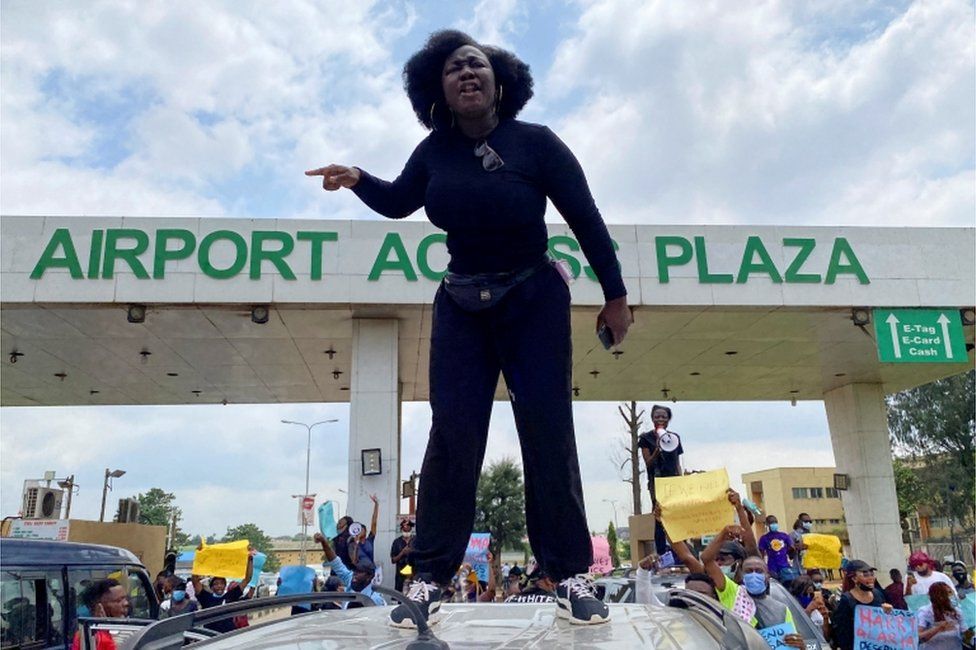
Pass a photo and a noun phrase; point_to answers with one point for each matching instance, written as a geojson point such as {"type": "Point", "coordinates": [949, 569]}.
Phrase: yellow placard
{"type": "Point", "coordinates": [695, 504]}
{"type": "Point", "coordinates": [226, 560]}
{"type": "Point", "coordinates": [822, 551]}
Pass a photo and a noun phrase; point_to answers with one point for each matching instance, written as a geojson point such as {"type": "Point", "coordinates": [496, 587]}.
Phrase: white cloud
{"type": "Point", "coordinates": [738, 115]}
{"type": "Point", "coordinates": [494, 22]}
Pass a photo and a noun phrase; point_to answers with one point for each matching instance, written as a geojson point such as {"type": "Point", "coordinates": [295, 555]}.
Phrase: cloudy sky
{"type": "Point", "coordinates": [828, 112]}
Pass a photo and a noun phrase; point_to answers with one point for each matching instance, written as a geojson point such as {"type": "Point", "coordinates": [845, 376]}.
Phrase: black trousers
{"type": "Point", "coordinates": [526, 337]}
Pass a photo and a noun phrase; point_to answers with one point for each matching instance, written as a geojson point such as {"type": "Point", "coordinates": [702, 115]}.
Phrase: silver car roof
{"type": "Point", "coordinates": [486, 625]}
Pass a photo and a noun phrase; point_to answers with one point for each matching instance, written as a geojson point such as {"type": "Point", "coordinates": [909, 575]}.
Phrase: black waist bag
{"type": "Point", "coordinates": [484, 290]}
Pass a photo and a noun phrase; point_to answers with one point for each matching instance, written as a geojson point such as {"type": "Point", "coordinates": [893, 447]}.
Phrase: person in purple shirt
{"type": "Point", "coordinates": [775, 546]}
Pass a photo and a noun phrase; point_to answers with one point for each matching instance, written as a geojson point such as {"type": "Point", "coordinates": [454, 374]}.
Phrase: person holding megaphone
{"type": "Point", "coordinates": [661, 450]}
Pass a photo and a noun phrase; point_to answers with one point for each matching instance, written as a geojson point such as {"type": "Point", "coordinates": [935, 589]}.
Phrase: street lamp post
{"type": "Point", "coordinates": [109, 474]}
{"type": "Point", "coordinates": [69, 485]}
{"type": "Point", "coordinates": [613, 502]}
{"type": "Point", "coordinates": [308, 464]}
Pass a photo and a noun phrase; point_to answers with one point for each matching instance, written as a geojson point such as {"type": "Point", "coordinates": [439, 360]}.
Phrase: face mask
{"type": "Point", "coordinates": [818, 585]}
{"type": "Point", "coordinates": [807, 525]}
{"type": "Point", "coordinates": [178, 595]}
{"type": "Point", "coordinates": [755, 583]}
{"type": "Point", "coordinates": [806, 600]}
{"type": "Point", "coordinates": [728, 570]}
{"type": "Point", "coordinates": [864, 587]}
{"type": "Point", "coordinates": [773, 527]}
{"type": "Point", "coordinates": [359, 583]}
{"type": "Point", "coordinates": [960, 578]}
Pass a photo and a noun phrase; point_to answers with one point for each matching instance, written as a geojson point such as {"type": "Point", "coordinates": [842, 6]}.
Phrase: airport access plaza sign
{"type": "Point", "coordinates": [292, 261]}
{"type": "Point", "coordinates": [920, 336]}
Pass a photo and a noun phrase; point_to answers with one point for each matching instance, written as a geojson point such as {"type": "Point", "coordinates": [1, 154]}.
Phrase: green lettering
{"type": "Point", "coordinates": [665, 261]}
{"type": "Point", "coordinates": [128, 255]}
{"type": "Point", "coordinates": [754, 246]}
{"type": "Point", "coordinates": [806, 246]}
{"type": "Point", "coordinates": [588, 270]}
{"type": "Point", "coordinates": [95, 254]}
{"type": "Point", "coordinates": [853, 266]}
{"type": "Point", "coordinates": [316, 239]}
{"type": "Point", "coordinates": [703, 275]}
{"type": "Point", "coordinates": [277, 257]}
{"type": "Point", "coordinates": [203, 254]}
{"type": "Point", "coordinates": [60, 239]}
{"type": "Point", "coordinates": [162, 254]}
{"type": "Point", "coordinates": [392, 243]}
{"type": "Point", "coordinates": [562, 240]}
{"type": "Point", "coordinates": [422, 249]}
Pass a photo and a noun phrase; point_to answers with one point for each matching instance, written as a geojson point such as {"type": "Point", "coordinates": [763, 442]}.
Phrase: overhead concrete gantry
{"type": "Point", "coordinates": [722, 313]}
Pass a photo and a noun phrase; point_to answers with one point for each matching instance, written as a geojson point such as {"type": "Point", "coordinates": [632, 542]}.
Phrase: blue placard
{"type": "Point", "coordinates": [477, 554]}
{"type": "Point", "coordinates": [917, 601]}
{"type": "Point", "coordinates": [968, 606]}
{"type": "Point", "coordinates": [775, 636]}
{"type": "Point", "coordinates": [296, 580]}
{"type": "Point", "coordinates": [327, 521]}
{"type": "Point", "coordinates": [875, 629]}
{"type": "Point", "coordinates": [259, 560]}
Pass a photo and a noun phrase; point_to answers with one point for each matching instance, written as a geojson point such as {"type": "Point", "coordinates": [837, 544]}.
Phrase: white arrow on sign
{"type": "Point", "coordinates": [944, 322]}
{"type": "Point", "coordinates": [892, 321]}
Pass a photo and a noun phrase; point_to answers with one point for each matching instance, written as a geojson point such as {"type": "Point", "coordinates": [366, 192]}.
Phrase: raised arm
{"type": "Point", "coordinates": [488, 595]}
{"type": "Point", "coordinates": [709, 556]}
{"type": "Point", "coordinates": [394, 200]}
{"type": "Point", "coordinates": [376, 514]}
{"type": "Point", "coordinates": [683, 553]}
{"type": "Point", "coordinates": [748, 535]}
{"type": "Point", "coordinates": [340, 570]}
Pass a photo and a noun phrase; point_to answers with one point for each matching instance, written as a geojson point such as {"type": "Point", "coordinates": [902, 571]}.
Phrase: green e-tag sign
{"type": "Point", "coordinates": [919, 336]}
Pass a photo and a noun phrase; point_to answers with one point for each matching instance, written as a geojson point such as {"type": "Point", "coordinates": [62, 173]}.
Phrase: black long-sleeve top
{"type": "Point", "coordinates": [494, 220]}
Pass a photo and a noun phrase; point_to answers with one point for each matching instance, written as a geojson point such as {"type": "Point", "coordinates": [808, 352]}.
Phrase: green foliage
{"type": "Point", "coordinates": [500, 506]}
{"type": "Point", "coordinates": [258, 540]}
{"type": "Point", "coordinates": [911, 491]}
{"type": "Point", "coordinates": [157, 508]}
{"type": "Point", "coordinates": [933, 430]}
{"type": "Point", "coordinates": [614, 545]}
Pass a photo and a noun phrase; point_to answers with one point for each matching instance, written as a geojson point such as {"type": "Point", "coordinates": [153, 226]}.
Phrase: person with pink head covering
{"type": "Point", "coordinates": [924, 574]}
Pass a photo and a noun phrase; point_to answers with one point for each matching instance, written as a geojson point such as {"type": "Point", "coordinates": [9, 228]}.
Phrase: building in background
{"type": "Point", "coordinates": [787, 491]}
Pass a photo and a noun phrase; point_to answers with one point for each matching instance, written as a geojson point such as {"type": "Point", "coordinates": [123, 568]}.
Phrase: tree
{"type": "Point", "coordinates": [909, 487]}
{"type": "Point", "coordinates": [614, 545]}
{"type": "Point", "coordinates": [157, 508]}
{"type": "Point", "coordinates": [933, 431]}
{"type": "Point", "coordinates": [500, 506]}
{"type": "Point", "coordinates": [258, 539]}
{"type": "Point", "coordinates": [936, 419]}
{"type": "Point", "coordinates": [629, 454]}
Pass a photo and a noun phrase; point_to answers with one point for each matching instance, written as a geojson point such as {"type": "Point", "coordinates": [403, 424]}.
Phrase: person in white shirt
{"type": "Point", "coordinates": [925, 575]}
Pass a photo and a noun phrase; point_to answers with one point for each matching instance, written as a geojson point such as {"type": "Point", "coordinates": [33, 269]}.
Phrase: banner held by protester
{"type": "Point", "coordinates": [695, 504]}
{"type": "Point", "coordinates": [226, 560]}
{"type": "Point", "coordinates": [822, 551]}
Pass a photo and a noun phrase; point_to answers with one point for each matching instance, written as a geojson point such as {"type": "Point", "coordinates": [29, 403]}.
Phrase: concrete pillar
{"type": "Point", "coordinates": [859, 433]}
{"type": "Point", "coordinates": [374, 423]}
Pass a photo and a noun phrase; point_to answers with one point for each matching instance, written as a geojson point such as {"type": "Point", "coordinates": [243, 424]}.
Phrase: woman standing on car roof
{"type": "Point", "coordinates": [484, 177]}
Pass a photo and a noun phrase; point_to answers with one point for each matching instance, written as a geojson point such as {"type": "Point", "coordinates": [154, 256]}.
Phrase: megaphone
{"type": "Point", "coordinates": [667, 441]}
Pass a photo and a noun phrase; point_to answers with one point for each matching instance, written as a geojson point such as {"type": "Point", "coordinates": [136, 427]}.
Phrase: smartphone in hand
{"type": "Point", "coordinates": [605, 336]}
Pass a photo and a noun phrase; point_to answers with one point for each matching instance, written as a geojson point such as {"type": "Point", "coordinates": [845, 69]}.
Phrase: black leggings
{"type": "Point", "coordinates": [526, 337]}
